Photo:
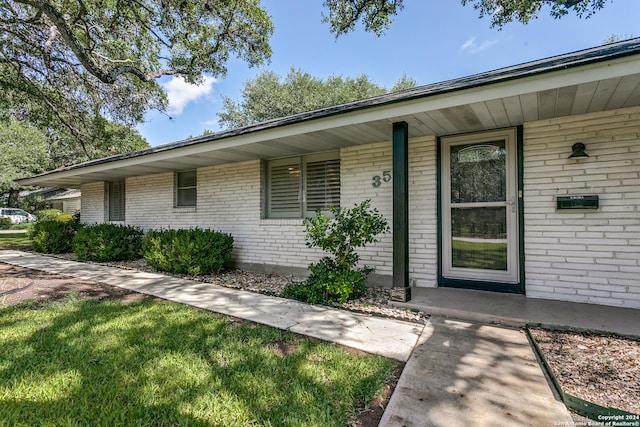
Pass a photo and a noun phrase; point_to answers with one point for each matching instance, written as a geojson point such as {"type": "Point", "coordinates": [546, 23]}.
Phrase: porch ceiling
{"type": "Point", "coordinates": [504, 103]}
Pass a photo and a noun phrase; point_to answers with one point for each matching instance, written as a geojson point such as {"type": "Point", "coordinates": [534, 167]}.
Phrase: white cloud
{"type": "Point", "coordinates": [469, 43]}
{"type": "Point", "coordinates": [180, 93]}
{"type": "Point", "coordinates": [471, 46]}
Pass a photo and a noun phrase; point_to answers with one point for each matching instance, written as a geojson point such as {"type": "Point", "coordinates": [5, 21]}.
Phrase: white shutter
{"type": "Point", "coordinates": [116, 201]}
{"type": "Point", "coordinates": [284, 188]}
{"type": "Point", "coordinates": [323, 185]}
{"type": "Point", "coordinates": [316, 176]}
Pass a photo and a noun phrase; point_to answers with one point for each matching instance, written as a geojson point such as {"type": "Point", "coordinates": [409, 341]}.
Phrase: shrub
{"type": "Point", "coordinates": [5, 223]}
{"type": "Point", "coordinates": [48, 214]}
{"type": "Point", "coordinates": [108, 242]}
{"type": "Point", "coordinates": [194, 251]}
{"type": "Point", "coordinates": [54, 236]}
{"type": "Point", "coordinates": [328, 283]}
{"type": "Point", "coordinates": [335, 279]}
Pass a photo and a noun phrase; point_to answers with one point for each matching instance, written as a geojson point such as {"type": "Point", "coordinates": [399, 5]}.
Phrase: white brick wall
{"type": "Point", "coordinates": [587, 256]}
{"type": "Point", "coordinates": [93, 203]}
{"type": "Point", "coordinates": [591, 256]}
{"type": "Point", "coordinates": [230, 200]}
{"type": "Point", "coordinates": [359, 165]}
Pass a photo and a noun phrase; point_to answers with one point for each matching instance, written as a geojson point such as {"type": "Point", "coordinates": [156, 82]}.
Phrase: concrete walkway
{"type": "Point", "coordinates": [389, 338]}
{"type": "Point", "coordinates": [472, 374]}
{"type": "Point", "coordinates": [457, 373]}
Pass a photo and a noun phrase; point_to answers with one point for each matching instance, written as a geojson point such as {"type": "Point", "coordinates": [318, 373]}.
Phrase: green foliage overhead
{"type": "Point", "coordinates": [73, 61]}
{"type": "Point", "coordinates": [268, 97]}
{"type": "Point", "coordinates": [28, 148]}
{"type": "Point", "coordinates": [377, 15]}
{"type": "Point", "coordinates": [24, 150]}
{"type": "Point", "coordinates": [504, 11]}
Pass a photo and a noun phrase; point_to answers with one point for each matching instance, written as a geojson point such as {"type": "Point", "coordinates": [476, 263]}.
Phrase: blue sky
{"type": "Point", "coordinates": [430, 40]}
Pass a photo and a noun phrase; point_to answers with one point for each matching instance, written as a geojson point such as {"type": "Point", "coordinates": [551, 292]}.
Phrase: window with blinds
{"type": "Point", "coordinates": [116, 200]}
{"type": "Point", "coordinates": [298, 186]}
{"type": "Point", "coordinates": [186, 189]}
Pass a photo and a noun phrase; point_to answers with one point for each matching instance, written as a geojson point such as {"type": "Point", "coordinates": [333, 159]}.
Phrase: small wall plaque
{"type": "Point", "coordinates": [577, 202]}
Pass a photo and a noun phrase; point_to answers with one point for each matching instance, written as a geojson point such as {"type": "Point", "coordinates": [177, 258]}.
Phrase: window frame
{"type": "Point", "coordinates": [178, 189]}
{"type": "Point", "coordinates": [302, 162]}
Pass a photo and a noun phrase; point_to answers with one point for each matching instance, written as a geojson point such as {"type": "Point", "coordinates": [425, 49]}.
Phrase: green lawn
{"type": "Point", "coordinates": [482, 255]}
{"type": "Point", "coordinates": [15, 241]}
{"type": "Point", "coordinates": [153, 363]}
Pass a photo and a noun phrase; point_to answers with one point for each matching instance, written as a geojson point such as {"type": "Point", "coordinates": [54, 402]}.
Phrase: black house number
{"type": "Point", "coordinates": [377, 180]}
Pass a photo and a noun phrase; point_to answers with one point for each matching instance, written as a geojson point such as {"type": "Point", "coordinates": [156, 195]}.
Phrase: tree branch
{"type": "Point", "coordinates": [76, 47]}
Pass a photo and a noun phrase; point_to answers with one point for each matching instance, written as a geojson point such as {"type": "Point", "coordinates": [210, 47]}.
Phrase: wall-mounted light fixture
{"type": "Point", "coordinates": [578, 151]}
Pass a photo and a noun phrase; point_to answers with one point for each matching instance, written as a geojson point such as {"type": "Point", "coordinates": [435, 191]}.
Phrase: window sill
{"type": "Point", "coordinates": [281, 221]}
{"type": "Point", "coordinates": [184, 209]}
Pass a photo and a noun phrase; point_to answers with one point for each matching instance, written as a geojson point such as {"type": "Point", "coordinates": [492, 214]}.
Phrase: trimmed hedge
{"type": "Point", "coordinates": [54, 236]}
{"type": "Point", "coordinates": [5, 223]}
{"type": "Point", "coordinates": [108, 242]}
{"type": "Point", "coordinates": [187, 251]}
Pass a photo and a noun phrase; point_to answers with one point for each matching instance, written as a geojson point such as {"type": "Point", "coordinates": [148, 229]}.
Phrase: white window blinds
{"type": "Point", "coordinates": [297, 186]}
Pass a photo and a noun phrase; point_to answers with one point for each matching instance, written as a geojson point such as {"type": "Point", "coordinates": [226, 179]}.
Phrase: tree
{"type": "Point", "coordinates": [614, 38]}
{"type": "Point", "coordinates": [267, 97]}
{"type": "Point", "coordinates": [504, 11]}
{"type": "Point", "coordinates": [377, 15]}
{"type": "Point", "coordinates": [404, 83]}
{"type": "Point", "coordinates": [27, 149]}
{"type": "Point", "coordinates": [79, 60]}
{"type": "Point", "coordinates": [23, 151]}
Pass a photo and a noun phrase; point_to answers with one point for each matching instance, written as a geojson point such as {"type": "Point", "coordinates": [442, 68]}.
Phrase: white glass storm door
{"type": "Point", "coordinates": [479, 208]}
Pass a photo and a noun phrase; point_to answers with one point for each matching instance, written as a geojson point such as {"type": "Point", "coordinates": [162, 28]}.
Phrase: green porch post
{"type": "Point", "coordinates": [401, 290]}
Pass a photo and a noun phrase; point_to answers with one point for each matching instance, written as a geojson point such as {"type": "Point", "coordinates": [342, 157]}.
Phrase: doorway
{"type": "Point", "coordinates": [479, 201]}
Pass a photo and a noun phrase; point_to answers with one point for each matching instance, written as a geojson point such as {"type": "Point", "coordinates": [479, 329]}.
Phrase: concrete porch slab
{"type": "Point", "coordinates": [518, 310]}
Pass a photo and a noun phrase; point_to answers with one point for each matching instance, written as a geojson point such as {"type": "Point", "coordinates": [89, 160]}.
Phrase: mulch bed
{"type": "Point", "coordinates": [602, 369]}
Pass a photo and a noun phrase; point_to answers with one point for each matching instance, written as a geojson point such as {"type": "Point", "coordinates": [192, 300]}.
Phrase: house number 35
{"type": "Point", "coordinates": [377, 181]}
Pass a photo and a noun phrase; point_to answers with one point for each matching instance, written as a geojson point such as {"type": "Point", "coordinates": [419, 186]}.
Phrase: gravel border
{"type": "Point", "coordinates": [374, 302]}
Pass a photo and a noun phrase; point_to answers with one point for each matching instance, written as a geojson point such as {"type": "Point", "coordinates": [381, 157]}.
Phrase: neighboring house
{"type": "Point", "coordinates": [65, 200]}
{"type": "Point", "coordinates": [525, 179]}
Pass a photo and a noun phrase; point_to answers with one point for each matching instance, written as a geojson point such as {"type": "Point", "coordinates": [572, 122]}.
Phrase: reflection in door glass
{"type": "Point", "coordinates": [478, 172]}
{"type": "Point", "coordinates": [479, 238]}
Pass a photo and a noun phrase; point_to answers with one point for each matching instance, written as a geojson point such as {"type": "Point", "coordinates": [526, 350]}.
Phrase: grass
{"type": "Point", "coordinates": [482, 255]}
{"type": "Point", "coordinates": [15, 241]}
{"type": "Point", "coordinates": [156, 363]}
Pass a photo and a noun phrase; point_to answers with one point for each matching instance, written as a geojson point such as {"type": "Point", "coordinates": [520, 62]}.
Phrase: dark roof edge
{"type": "Point", "coordinates": [527, 69]}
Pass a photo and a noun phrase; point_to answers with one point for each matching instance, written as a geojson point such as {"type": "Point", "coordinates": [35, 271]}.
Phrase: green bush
{"type": "Point", "coordinates": [328, 283]}
{"type": "Point", "coordinates": [188, 251]}
{"type": "Point", "coordinates": [54, 236]}
{"type": "Point", "coordinates": [336, 278]}
{"type": "Point", "coordinates": [48, 214]}
{"type": "Point", "coordinates": [108, 242]}
{"type": "Point", "coordinates": [5, 223]}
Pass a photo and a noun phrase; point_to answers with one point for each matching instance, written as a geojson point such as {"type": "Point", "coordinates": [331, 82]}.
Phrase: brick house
{"type": "Point", "coordinates": [524, 179]}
